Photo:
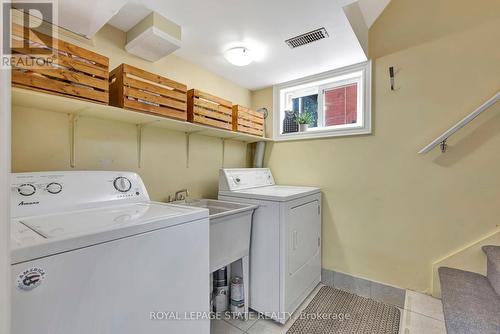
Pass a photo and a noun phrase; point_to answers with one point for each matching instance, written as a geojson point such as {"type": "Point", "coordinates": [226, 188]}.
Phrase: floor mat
{"type": "Point", "coordinates": [335, 311]}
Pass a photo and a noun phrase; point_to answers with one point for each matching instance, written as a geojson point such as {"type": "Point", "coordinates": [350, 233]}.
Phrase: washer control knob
{"type": "Point", "coordinates": [26, 189]}
{"type": "Point", "coordinates": [122, 184]}
{"type": "Point", "coordinates": [237, 180]}
{"type": "Point", "coordinates": [54, 188]}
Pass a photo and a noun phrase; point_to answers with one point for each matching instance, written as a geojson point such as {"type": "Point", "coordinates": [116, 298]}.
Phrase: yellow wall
{"type": "Point", "coordinates": [264, 99]}
{"type": "Point", "coordinates": [389, 212]}
{"type": "Point", "coordinates": [41, 138]}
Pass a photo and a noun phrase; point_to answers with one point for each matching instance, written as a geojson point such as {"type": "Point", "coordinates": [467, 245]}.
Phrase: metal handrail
{"type": "Point", "coordinates": [441, 140]}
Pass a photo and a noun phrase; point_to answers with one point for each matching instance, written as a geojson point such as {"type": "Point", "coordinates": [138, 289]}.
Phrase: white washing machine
{"type": "Point", "coordinates": [285, 250]}
{"type": "Point", "coordinates": [92, 254]}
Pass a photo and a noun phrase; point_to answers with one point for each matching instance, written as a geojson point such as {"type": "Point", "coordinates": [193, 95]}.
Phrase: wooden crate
{"type": "Point", "coordinates": [74, 71]}
{"type": "Point", "coordinates": [248, 121]}
{"type": "Point", "coordinates": [139, 90]}
{"type": "Point", "coordinates": [209, 110]}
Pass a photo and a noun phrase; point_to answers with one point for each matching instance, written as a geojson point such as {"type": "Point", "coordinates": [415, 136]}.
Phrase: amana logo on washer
{"type": "Point", "coordinates": [30, 278]}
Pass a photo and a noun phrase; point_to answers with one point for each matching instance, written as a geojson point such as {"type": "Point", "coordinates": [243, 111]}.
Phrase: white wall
{"type": "Point", "coordinates": [4, 197]}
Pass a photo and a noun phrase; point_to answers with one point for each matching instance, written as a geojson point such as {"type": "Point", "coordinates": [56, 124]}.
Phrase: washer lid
{"type": "Point", "coordinates": [100, 219]}
{"type": "Point", "coordinates": [273, 193]}
{"type": "Point", "coordinates": [39, 236]}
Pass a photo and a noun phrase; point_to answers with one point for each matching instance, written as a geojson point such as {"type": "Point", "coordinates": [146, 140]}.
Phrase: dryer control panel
{"type": "Point", "coordinates": [46, 192]}
{"type": "Point", "coordinates": [233, 179]}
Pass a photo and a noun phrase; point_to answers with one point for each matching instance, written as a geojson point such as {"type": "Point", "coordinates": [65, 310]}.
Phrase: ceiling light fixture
{"type": "Point", "coordinates": [239, 56]}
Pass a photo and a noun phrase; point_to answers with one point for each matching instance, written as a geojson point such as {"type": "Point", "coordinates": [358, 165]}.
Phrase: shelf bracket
{"type": "Point", "coordinates": [73, 123]}
{"type": "Point", "coordinates": [223, 151]}
{"type": "Point", "coordinates": [139, 128]}
{"type": "Point", "coordinates": [188, 143]}
{"type": "Point", "coordinates": [187, 148]}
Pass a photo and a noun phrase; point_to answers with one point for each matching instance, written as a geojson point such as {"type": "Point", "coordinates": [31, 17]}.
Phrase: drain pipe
{"type": "Point", "coordinates": [5, 130]}
{"type": "Point", "coordinates": [260, 147]}
{"type": "Point", "coordinates": [258, 158]}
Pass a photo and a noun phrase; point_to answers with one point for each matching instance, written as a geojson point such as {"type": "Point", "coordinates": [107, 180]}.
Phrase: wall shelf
{"type": "Point", "coordinates": [37, 100]}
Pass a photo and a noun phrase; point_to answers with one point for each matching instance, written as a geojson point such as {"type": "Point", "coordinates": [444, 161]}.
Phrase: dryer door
{"type": "Point", "coordinates": [303, 258]}
{"type": "Point", "coordinates": [303, 235]}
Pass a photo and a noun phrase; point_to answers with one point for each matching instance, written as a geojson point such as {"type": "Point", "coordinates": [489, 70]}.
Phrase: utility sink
{"type": "Point", "coordinates": [230, 227]}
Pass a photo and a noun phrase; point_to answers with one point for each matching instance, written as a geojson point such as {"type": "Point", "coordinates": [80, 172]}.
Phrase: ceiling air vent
{"type": "Point", "coordinates": [307, 38]}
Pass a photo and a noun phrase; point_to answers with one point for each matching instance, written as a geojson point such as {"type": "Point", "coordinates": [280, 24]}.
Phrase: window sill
{"type": "Point", "coordinates": [326, 133]}
{"type": "Point", "coordinates": [318, 134]}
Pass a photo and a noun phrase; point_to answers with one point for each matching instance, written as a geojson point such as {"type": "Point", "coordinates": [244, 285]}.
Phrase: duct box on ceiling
{"type": "Point", "coordinates": [153, 38]}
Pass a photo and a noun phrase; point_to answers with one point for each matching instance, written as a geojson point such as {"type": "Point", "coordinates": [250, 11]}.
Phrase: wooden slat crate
{"type": "Point", "coordinates": [74, 72]}
{"type": "Point", "coordinates": [248, 121]}
{"type": "Point", "coordinates": [139, 90]}
{"type": "Point", "coordinates": [209, 110]}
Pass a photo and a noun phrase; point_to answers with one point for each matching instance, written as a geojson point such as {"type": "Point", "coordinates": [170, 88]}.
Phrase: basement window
{"type": "Point", "coordinates": [334, 103]}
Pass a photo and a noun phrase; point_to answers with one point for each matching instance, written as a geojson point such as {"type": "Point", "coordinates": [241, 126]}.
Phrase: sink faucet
{"type": "Point", "coordinates": [181, 195]}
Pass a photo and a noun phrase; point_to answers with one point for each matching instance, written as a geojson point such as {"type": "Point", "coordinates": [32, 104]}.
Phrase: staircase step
{"type": "Point", "coordinates": [470, 304]}
{"type": "Point", "coordinates": [493, 265]}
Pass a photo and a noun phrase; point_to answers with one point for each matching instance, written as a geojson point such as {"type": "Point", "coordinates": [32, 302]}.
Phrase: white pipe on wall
{"type": "Point", "coordinates": [5, 147]}
{"type": "Point", "coordinates": [258, 159]}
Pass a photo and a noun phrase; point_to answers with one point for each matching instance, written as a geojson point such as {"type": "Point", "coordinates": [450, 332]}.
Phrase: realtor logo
{"type": "Point", "coordinates": [29, 34]}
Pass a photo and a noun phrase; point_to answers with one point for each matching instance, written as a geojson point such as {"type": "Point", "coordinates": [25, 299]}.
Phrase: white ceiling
{"type": "Point", "coordinates": [210, 27]}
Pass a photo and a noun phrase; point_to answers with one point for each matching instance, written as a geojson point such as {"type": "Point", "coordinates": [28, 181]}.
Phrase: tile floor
{"type": "Point", "coordinates": [422, 314]}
